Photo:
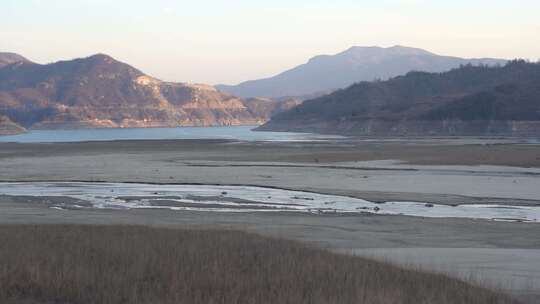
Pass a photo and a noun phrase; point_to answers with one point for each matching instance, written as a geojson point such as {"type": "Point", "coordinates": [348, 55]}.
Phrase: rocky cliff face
{"type": "Point", "coordinates": [99, 91]}
{"type": "Point", "coordinates": [8, 127]}
{"type": "Point", "coordinates": [471, 100]}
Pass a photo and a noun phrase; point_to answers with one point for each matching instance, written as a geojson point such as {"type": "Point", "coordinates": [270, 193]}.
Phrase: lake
{"type": "Point", "coordinates": [244, 133]}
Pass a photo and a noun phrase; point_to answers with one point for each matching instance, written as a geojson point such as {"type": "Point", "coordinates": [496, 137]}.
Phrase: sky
{"type": "Point", "coordinates": [229, 41]}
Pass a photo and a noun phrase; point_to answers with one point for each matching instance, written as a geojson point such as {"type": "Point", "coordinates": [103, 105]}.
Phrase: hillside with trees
{"type": "Point", "coordinates": [476, 100]}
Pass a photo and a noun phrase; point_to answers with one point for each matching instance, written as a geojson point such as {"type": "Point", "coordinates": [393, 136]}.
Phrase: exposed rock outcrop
{"type": "Point", "coordinates": [99, 91]}
{"type": "Point", "coordinates": [8, 127]}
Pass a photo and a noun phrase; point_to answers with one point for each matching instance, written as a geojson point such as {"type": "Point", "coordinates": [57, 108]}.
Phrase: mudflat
{"type": "Point", "coordinates": [444, 171]}
{"type": "Point", "coordinates": [435, 151]}
{"type": "Point", "coordinates": [441, 171]}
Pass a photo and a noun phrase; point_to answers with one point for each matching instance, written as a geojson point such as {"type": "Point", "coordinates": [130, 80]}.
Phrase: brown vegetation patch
{"type": "Point", "coordinates": [130, 264]}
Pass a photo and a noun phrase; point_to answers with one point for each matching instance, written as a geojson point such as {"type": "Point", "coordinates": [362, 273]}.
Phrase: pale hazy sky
{"type": "Point", "coordinates": [228, 41]}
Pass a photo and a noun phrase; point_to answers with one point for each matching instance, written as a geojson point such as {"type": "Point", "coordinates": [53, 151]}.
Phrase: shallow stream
{"type": "Point", "coordinates": [79, 195]}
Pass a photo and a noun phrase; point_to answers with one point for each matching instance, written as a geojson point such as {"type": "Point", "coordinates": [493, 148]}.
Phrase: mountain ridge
{"type": "Point", "coordinates": [470, 100]}
{"type": "Point", "coordinates": [99, 91]}
{"type": "Point", "coordinates": [325, 73]}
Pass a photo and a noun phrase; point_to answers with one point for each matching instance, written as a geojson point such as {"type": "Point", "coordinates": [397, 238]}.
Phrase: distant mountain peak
{"type": "Point", "coordinates": [326, 73]}
{"type": "Point", "coordinates": [7, 58]}
{"type": "Point", "coordinates": [378, 51]}
{"type": "Point", "coordinates": [409, 50]}
{"type": "Point", "coordinates": [99, 65]}
{"type": "Point", "coordinates": [94, 60]}
{"type": "Point", "coordinates": [101, 57]}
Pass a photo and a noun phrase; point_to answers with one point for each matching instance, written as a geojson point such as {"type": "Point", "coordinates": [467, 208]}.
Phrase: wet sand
{"type": "Point", "coordinates": [442, 171]}
{"type": "Point", "coordinates": [342, 168]}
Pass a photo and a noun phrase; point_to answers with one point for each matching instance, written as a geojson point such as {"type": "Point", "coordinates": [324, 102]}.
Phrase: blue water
{"type": "Point", "coordinates": [243, 133]}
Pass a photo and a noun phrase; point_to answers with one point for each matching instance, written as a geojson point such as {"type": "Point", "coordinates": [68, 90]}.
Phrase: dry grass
{"type": "Point", "coordinates": [130, 264]}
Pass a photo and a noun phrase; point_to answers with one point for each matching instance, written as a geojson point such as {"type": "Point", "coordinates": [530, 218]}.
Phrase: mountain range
{"type": "Point", "coordinates": [480, 96]}
{"type": "Point", "coordinates": [326, 73]}
{"type": "Point", "coordinates": [99, 91]}
{"type": "Point", "coordinates": [470, 100]}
